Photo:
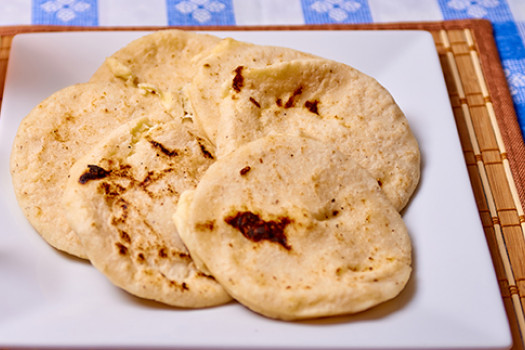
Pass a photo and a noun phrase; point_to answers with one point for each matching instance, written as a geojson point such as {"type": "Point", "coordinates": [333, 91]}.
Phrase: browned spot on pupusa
{"type": "Point", "coordinates": [122, 249]}
{"type": "Point", "coordinates": [204, 150]}
{"type": "Point", "coordinates": [291, 100]}
{"type": "Point", "coordinates": [112, 192]}
{"type": "Point", "coordinates": [312, 106]}
{"type": "Point", "coordinates": [125, 236]}
{"type": "Point", "coordinates": [202, 274]}
{"type": "Point", "coordinates": [256, 229]}
{"type": "Point", "coordinates": [207, 225]}
{"type": "Point", "coordinates": [152, 177]}
{"type": "Point", "coordinates": [254, 101]}
{"type": "Point", "coordinates": [238, 79]}
{"type": "Point", "coordinates": [183, 256]}
{"type": "Point", "coordinates": [163, 149]}
{"type": "Point", "coordinates": [245, 170]}
{"type": "Point", "coordinates": [182, 286]}
{"type": "Point", "coordinates": [94, 172]}
{"type": "Point", "coordinates": [163, 252]}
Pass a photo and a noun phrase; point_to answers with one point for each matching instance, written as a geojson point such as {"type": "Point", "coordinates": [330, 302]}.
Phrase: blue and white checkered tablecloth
{"type": "Point", "coordinates": [507, 17]}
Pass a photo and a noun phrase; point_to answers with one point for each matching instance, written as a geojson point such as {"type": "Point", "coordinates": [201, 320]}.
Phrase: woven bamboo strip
{"type": "Point", "coordinates": [496, 129]}
{"type": "Point", "coordinates": [5, 46]}
{"type": "Point", "coordinates": [489, 195]}
{"type": "Point", "coordinates": [509, 209]}
{"type": "Point", "coordinates": [494, 187]}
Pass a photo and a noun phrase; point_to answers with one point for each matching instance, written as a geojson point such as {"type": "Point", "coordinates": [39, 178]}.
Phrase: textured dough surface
{"type": "Point", "coordinates": [331, 102]}
{"type": "Point", "coordinates": [53, 135]}
{"type": "Point", "coordinates": [159, 62]}
{"type": "Point", "coordinates": [215, 69]}
{"type": "Point", "coordinates": [293, 228]}
{"type": "Point", "coordinates": [120, 200]}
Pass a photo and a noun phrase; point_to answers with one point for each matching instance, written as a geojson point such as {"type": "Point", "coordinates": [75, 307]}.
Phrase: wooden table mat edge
{"type": "Point", "coordinates": [487, 127]}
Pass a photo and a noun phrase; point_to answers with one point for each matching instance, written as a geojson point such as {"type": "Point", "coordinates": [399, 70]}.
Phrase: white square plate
{"type": "Point", "coordinates": [451, 301]}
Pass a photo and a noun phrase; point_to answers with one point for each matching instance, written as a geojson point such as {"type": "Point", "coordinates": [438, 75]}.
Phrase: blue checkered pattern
{"type": "Point", "coordinates": [494, 10]}
{"type": "Point", "coordinates": [509, 29]}
{"type": "Point", "coordinates": [200, 12]}
{"type": "Point", "coordinates": [65, 12]}
{"type": "Point", "coordinates": [332, 11]}
{"type": "Point", "coordinates": [515, 72]}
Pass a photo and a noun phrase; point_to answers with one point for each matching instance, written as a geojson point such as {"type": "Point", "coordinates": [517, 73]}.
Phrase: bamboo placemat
{"type": "Point", "coordinates": [487, 126]}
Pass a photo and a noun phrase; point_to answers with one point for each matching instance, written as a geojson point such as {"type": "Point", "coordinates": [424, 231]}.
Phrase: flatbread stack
{"type": "Point", "coordinates": [194, 170]}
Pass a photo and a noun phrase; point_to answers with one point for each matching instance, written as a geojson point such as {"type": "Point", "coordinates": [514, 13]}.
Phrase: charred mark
{"type": "Point", "coordinates": [183, 256]}
{"type": "Point", "coordinates": [279, 102]}
{"type": "Point", "coordinates": [150, 178]}
{"type": "Point", "coordinates": [122, 250]}
{"type": "Point", "coordinates": [124, 206]}
{"type": "Point", "coordinates": [202, 274]}
{"type": "Point", "coordinates": [208, 225]}
{"type": "Point", "coordinates": [291, 101]}
{"type": "Point", "coordinates": [125, 236]}
{"type": "Point", "coordinates": [245, 170]}
{"type": "Point", "coordinates": [238, 80]}
{"type": "Point", "coordinates": [255, 229]}
{"type": "Point", "coordinates": [94, 172]}
{"type": "Point", "coordinates": [254, 101]}
{"type": "Point", "coordinates": [163, 253]}
{"type": "Point", "coordinates": [163, 149]}
{"type": "Point", "coordinates": [182, 286]}
{"type": "Point", "coordinates": [312, 106]}
{"type": "Point", "coordinates": [111, 190]}
{"type": "Point", "coordinates": [205, 152]}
